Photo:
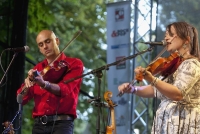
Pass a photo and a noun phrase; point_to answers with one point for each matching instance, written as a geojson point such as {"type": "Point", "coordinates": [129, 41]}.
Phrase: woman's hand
{"type": "Point", "coordinates": [125, 88]}
{"type": "Point", "coordinates": [146, 74]}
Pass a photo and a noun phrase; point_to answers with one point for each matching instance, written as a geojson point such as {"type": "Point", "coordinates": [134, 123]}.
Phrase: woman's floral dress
{"type": "Point", "coordinates": [180, 117]}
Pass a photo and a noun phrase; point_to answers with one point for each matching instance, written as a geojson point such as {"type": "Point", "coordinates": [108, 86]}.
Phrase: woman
{"type": "Point", "coordinates": [179, 92]}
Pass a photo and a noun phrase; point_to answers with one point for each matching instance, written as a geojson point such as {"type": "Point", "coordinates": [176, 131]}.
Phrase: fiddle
{"type": "Point", "coordinates": [112, 128]}
{"type": "Point", "coordinates": [58, 69]}
{"type": "Point", "coordinates": [8, 127]}
{"type": "Point", "coordinates": [163, 66]}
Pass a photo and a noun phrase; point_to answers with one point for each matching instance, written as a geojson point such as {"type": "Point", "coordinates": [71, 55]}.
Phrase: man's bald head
{"type": "Point", "coordinates": [48, 44]}
{"type": "Point", "coordinates": [46, 33]}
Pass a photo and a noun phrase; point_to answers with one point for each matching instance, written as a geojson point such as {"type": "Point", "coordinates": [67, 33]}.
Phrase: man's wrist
{"type": "Point", "coordinates": [46, 85]}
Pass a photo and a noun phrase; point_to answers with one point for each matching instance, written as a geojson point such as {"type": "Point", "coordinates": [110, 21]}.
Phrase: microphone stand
{"type": "Point", "coordinates": [19, 113]}
{"type": "Point", "coordinates": [9, 128]}
{"type": "Point", "coordinates": [98, 101]}
{"type": "Point", "coordinates": [98, 73]}
{"type": "Point", "coordinates": [106, 67]}
{"type": "Point", "coordinates": [19, 99]}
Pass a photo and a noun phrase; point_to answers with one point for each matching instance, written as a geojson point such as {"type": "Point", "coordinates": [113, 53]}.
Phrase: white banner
{"type": "Point", "coordinates": [118, 41]}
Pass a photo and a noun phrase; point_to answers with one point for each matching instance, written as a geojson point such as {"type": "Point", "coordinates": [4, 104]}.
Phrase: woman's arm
{"type": "Point", "coordinates": [142, 91]}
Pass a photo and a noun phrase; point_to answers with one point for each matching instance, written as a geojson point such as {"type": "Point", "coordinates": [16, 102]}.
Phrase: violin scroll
{"type": "Point", "coordinates": [9, 126]}
{"type": "Point", "coordinates": [112, 128]}
{"type": "Point", "coordinates": [107, 96]}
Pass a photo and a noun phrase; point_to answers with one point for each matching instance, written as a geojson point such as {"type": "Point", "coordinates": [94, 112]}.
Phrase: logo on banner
{"type": "Point", "coordinates": [121, 32]}
{"type": "Point", "coordinates": [119, 14]}
{"type": "Point", "coordinates": [117, 46]}
{"type": "Point", "coordinates": [121, 65]}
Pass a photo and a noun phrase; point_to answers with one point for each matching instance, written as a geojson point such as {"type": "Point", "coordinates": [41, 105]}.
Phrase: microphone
{"type": "Point", "coordinates": [162, 43]}
{"type": "Point", "coordinates": [19, 49]}
{"type": "Point", "coordinates": [19, 100]}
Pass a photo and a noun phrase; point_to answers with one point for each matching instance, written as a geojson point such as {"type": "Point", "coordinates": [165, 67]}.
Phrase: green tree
{"type": "Point", "coordinates": [179, 10]}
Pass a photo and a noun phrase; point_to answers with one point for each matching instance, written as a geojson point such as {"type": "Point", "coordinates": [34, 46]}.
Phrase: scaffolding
{"type": "Point", "coordinates": [142, 26]}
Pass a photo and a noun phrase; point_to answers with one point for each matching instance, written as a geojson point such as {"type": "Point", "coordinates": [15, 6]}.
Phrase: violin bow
{"type": "Point", "coordinates": [161, 52]}
{"type": "Point", "coordinates": [132, 83]}
{"type": "Point", "coordinates": [74, 37]}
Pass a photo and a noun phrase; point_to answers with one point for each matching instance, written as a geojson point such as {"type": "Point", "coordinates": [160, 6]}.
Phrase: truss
{"type": "Point", "coordinates": [142, 24]}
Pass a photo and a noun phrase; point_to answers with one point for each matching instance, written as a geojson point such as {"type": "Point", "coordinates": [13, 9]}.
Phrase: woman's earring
{"type": "Point", "coordinates": [184, 46]}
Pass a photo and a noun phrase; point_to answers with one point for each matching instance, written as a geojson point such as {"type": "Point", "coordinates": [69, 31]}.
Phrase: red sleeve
{"type": "Point", "coordinates": [76, 69]}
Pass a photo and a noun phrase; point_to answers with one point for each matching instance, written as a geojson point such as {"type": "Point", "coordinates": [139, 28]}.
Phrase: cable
{"type": "Point", "coordinates": [56, 117]}
{"type": "Point", "coordinates": [3, 68]}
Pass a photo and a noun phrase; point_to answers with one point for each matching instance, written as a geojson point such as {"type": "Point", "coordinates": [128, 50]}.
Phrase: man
{"type": "Point", "coordinates": [55, 100]}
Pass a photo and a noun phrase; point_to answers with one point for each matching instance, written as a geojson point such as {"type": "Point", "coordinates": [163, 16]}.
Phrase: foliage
{"type": "Point", "coordinates": [179, 10]}
{"type": "Point", "coordinates": [5, 18]}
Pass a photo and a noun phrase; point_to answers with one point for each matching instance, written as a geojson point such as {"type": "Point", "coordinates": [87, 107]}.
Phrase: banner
{"type": "Point", "coordinates": [118, 42]}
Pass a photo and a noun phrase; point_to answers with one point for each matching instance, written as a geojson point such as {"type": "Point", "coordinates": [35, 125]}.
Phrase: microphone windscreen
{"type": "Point", "coordinates": [19, 98]}
{"type": "Point", "coordinates": [26, 48]}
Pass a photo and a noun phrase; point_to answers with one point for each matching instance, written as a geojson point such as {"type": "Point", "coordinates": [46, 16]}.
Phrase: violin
{"type": "Point", "coordinates": [163, 66]}
{"type": "Point", "coordinates": [112, 128]}
{"type": "Point", "coordinates": [58, 69]}
{"type": "Point", "coordinates": [7, 125]}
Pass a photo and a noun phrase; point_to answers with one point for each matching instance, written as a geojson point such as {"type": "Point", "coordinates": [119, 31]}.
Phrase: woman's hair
{"type": "Point", "coordinates": [184, 30]}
